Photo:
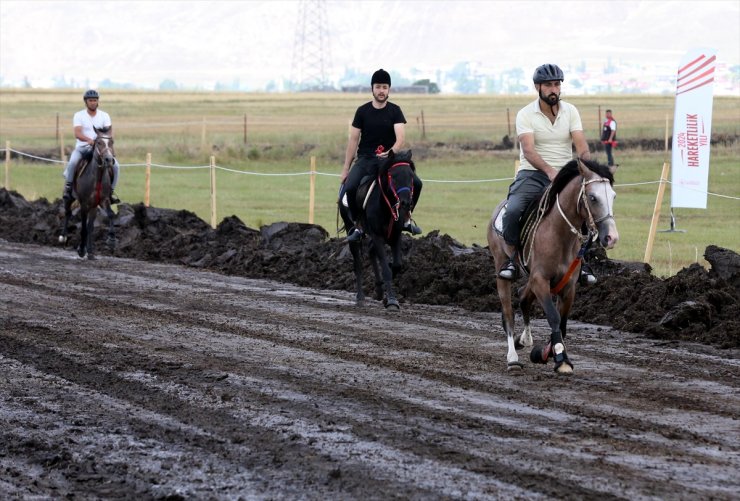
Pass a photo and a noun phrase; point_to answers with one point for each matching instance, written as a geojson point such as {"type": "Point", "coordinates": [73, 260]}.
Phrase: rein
{"type": "Point", "coordinates": [394, 206]}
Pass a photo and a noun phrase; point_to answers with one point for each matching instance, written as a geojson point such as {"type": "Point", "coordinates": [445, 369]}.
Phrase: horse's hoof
{"type": "Point", "coordinates": [514, 366]}
{"type": "Point", "coordinates": [540, 354]}
{"type": "Point", "coordinates": [564, 368]}
{"type": "Point", "coordinates": [392, 303]}
{"type": "Point", "coordinates": [91, 257]}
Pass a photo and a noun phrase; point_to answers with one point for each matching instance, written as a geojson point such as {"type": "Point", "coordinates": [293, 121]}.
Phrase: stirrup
{"type": "Point", "coordinates": [587, 276]}
{"type": "Point", "coordinates": [412, 228]}
{"type": "Point", "coordinates": [508, 271]}
{"type": "Point", "coordinates": [355, 235]}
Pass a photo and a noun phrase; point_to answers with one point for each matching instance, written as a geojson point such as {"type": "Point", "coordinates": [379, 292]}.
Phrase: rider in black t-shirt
{"type": "Point", "coordinates": [377, 128]}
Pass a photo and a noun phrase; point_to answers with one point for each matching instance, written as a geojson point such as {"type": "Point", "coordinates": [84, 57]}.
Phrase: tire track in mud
{"type": "Point", "coordinates": [416, 402]}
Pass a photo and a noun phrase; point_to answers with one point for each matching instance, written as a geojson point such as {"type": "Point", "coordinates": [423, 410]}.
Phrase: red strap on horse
{"type": "Point", "coordinates": [572, 268]}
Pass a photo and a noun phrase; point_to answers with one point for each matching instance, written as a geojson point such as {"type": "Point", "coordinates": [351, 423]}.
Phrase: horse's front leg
{"type": "Point", "coordinates": [356, 250]}
{"type": "Point", "coordinates": [384, 271]}
{"type": "Point", "coordinates": [566, 303]}
{"type": "Point", "coordinates": [374, 262]}
{"type": "Point", "coordinates": [82, 247]}
{"type": "Point", "coordinates": [111, 240]}
{"type": "Point", "coordinates": [91, 233]}
{"type": "Point", "coordinates": [556, 347]}
{"type": "Point", "coordinates": [64, 235]}
{"type": "Point", "coordinates": [397, 259]}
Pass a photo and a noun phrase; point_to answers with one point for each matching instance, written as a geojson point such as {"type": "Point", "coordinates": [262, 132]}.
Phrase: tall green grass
{"type": "Point", "coordinates": [461, 186]}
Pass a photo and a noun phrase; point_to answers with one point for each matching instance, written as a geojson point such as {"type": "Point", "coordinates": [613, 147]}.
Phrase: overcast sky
{"type": "Point", "coordinates": [197, 43]}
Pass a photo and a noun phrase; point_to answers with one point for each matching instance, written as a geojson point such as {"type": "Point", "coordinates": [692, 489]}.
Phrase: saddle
{"type": "Point", "coordinates": [526, 220]}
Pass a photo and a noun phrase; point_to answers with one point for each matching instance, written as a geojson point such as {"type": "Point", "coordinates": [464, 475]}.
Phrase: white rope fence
{"type": "Point", "coordinates": [318, 173]}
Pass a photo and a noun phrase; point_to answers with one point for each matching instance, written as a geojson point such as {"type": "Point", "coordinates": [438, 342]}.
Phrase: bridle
{"type": "Point", "coordinates": [396, 204]}
{"type": "Point", "coordinates": [100, 152]}
{"type": "Point", "coordinates": [591, 223]}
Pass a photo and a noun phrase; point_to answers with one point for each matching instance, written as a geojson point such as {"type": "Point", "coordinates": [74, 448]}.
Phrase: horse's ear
{"type": "Point", "coordinates": [582, 167]}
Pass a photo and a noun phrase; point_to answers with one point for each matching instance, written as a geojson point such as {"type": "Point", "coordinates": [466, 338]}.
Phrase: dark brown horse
{"type": "Point", "coordinates": [552, 253]}
{"type": "Point", "coordinates": [386, 208]}
{"type": "Point", "coordinates": [92, 189]}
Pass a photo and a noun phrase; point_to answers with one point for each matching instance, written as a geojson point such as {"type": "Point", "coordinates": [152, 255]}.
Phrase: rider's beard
{"type": "Point", "coordinates": [380, 98]}
{"type": "Point", "coordinates": [552, 99]}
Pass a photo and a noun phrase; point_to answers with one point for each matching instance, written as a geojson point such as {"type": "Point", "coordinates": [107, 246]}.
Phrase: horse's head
{"type": "Point", "coordinates": [397, 177]}
{"type": "Point", "coordinates": [103, 148]}
{"type": "Point", "coordinates": [597, 195]}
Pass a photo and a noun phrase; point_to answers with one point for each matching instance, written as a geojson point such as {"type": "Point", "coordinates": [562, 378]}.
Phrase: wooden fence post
{"type": "Point", "coordinates": [62, 156]}
{"type": "Point", "coordinates": [7, 165]}
{"type": "Point", "coordinates": [203, 136]}
{"type": "Point", "coordinates": [245, 128]}
{"type": "Point", "coordinates": [213, 191]}
{"type": "Point", "coordinates": [423, 126]}
{"type": "Point", "coordinates": [311, 190]}
{"type": "Point", "coordinates": [147, 182]}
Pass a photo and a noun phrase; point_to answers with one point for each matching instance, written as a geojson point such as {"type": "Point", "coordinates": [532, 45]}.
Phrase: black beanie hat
{"type": "Point", "coordinates": [381, 77]}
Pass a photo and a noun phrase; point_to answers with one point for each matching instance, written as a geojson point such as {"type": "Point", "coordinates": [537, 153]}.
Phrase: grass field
{"type": "Point", "coordinates": [183, 130]}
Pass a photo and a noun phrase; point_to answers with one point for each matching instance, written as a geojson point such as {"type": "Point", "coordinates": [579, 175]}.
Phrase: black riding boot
{"type": "Point", "coordinates": [67, 193]}
{"type": "Point", "coordinates": [355, 233]}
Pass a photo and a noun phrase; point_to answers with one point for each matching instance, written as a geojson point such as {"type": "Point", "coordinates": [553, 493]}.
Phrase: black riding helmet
{"type": "Point", "coordinates": [91, 94]}
{"type": "Point", "coordinates": [381, 77]}
{"type": "Point", "coordinates": [547, 73]}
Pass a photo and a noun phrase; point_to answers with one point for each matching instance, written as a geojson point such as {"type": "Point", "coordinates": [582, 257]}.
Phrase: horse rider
{"type": "Point", "coordinates": [377, 129]}
{"type": "Point", "coordinates": [547, 129]}
{"type": "Point", "coordinates": [84, 122]}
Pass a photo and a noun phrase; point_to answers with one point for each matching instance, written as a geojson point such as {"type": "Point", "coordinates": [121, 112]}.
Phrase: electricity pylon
{"type": "Point", "coordinates": [311, 49]}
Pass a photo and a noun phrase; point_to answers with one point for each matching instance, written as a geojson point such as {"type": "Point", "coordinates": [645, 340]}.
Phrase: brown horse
{"type": "Point", "coordinates": [552, 253]}
{"type": "Point", "coordinates": [92, 186]}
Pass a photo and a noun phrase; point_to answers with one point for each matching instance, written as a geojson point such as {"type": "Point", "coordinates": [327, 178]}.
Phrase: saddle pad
{"type": "Point", "coordinates": [498, 223]}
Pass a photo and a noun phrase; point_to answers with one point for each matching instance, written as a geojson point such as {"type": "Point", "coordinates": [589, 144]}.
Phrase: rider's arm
{"type": "Point", "coordinates": [82, 137]}
{"type": "Point", "coordinates": [579, 140]}
{"type": "Point", "coordinates": [400, 130]}
{"type": "Point", "coordinates": [526, 140]}
{"type": "Point", "coordinates": [349, 155]}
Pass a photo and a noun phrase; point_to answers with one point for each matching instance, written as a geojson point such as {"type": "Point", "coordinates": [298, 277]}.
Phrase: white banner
{"type": "Point", "coordinates": [692, 129]}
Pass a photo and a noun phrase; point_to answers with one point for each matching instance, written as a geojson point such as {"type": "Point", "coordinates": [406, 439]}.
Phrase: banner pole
{"type": "Point", "coordinates": [312, 190]}
{"type": "Point", "coordinates": [656, 212]}
{"type": "Point", "coordinates": [147, 182]}
{"type": "Point", "coordinates": [213, 191]}
{"type": "Point", "coordinates": [7, 165]}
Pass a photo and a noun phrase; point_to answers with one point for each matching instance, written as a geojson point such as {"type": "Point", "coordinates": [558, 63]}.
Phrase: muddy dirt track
{"type": "Point", "coordinates": [130, 379]}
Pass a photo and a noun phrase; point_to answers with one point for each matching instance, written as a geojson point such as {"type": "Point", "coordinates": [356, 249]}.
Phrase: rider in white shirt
{"type": "Point", "coordinates": [85, 122]}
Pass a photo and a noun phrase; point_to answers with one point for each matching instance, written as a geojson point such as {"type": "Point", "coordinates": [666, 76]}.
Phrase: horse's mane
{"type": "Point", "coordinates": [569, 171]}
